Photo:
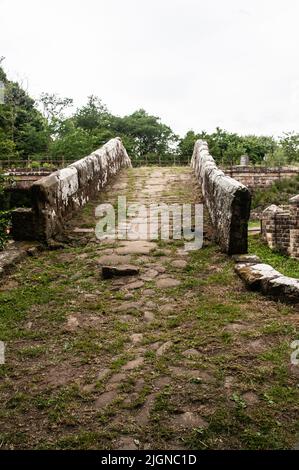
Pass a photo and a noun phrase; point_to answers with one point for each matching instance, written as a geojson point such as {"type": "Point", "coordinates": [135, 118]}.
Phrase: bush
{"type": "Point", "coordinates": [4, 214]}
{"type": "Point", "coordinates": [48, 166]}
{"type": "Point", "coordinates": [35, 165]}
{"type": "Point", "coordinates": [279, 193]}
{"type": "Point", "coordinates": [5, 217]}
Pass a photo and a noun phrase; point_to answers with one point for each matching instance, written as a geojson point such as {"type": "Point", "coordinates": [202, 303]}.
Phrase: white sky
{"type": "Point", "coordinates": [197, 64]}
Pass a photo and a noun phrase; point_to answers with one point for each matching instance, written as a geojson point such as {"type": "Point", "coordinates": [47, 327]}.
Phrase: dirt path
{"type": "Point", "coordinates": [178, 356]}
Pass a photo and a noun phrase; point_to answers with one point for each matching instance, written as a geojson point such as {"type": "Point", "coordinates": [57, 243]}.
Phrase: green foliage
{"type": "Point", "coordinates": [4, 214]}
{"type": "Point", "coordinates": [147, 135]}
{"type": "Point", "coordinates": [227, 147]}
{"type": "Point", "coordinates": [278, 193]}
{"type": "Point", "coordinates": [290, 146]}
{"type": "Point", "coordinates": [93, 116]}
{"type": "Point", "coordinates": [35, 164]}
{"type": "Point", "coordinates": [4, 223]}
{"type": "Point", "coordinates": [73, 144]}
{"type": "Point", "coordinates": [186, 145]}
{"type": "Point", "coordinates": [277, 158]}
{"type": "Point", "coordinates": [23, 129]}
{"type": "Point", "coordinates": [144, 136]}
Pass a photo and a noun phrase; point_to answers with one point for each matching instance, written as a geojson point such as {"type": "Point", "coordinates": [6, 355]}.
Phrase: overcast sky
{"type": "Point", "coordinates": [197, 64]}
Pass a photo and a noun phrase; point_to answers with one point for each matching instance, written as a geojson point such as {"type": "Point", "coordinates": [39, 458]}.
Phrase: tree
{"type": "Point", "coordinates": [227, 148]}
{"type": "Point", "coordinates": [23, 130]}
{"type": "Point", "coordinates": [93, 115]}
{"type": "Point", "coordinates": [290, 144]}
{"type": "Point", "coordinates": [186, 145]}
{"type": "Point", "coordinates": [257, 147]}
{"type": "Point", "coordinates": [146, 133]}
{"type": "Point", "coordinates": [54, 106]}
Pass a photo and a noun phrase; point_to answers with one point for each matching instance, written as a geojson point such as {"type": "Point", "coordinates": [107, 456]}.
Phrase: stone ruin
{"type": "Point", "coordinates": [280, 227]}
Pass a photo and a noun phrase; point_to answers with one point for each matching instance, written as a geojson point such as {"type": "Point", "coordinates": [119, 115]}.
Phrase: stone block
{"type": "Point", "coordinates": [264, 278]}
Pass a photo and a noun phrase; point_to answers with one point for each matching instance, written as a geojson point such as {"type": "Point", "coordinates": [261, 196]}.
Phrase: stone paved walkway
{"type": "Point", "coordinates": [178, 356]}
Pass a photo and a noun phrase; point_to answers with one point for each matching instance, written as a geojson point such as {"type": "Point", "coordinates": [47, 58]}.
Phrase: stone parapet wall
{"type": "Point", "coordinates": [280, 227]}
{"type": "Point", "coordinates": [255, 177]}
{"type": "Point", "coordinates": [227, 200]}
{"type": "Point", "coordinates": [57, 196]}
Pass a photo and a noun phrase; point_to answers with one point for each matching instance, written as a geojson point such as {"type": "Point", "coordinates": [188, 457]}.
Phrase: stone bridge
{"type": "Point", "coordinates": [56, 197]}
{"type": "Point", "coordinates": [140, 344]}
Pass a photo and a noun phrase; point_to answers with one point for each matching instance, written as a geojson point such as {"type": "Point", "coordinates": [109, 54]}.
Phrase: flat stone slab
{"type": "Point", "coordinates": [149, 317]}
{"type": "Point", "coordinates": [266, 279]}
{"type": "Point", "coordinates": [149, 292]}
{"type": "Point", "coordinates": [105, 399]}
{"type": "Point", "coordinates": [72, 323]}
{"type": "Point", "coordinates": [164, 348]}
{"type": "Point", "coordinates": [150, 305]}
{"type": "Point", "coordinates": [138, 247]}
{"type": "Point", "coordinates": [190, 353]}
{"type": "Point", "coordinates": [157, 267]}
{"type": "Point", "coordinates": [123, 270]}
{"type": "Point", "coordinates": [134, 363]}
{"type": "Point", "coordinates": [103, 373]}
{"type": "Point", "coordinates": [167, 283]}
{"type": "Point", "coordinates": [117, 378]}
{"type": "Point", "coordinates": [149, 275]}
{"type": "Point", "coordinates": [136, 338]}
{"type": "Point", "coordinates": [112, 259]}
{"type": "Point", "coordinates": [128, 307]}
{"type": "Point", "coordinates": [143, 415]}
{"type": "Point", "coordinates": [134, 285]}
{"type": "Point", "coordinates": [179, 263]}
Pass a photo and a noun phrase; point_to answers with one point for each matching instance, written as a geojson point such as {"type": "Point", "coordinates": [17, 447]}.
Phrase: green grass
{"type": "Point", "coordinates": [254, 223]}
{"type": "Point", "coordinates": [283, 264]}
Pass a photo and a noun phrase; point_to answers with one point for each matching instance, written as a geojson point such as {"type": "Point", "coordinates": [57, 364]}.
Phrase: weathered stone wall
{"type": "Point", "coordinates": [228, 201]}
{"type": "Point", "coordinates": [260, 177]}
{"type": "Point", "coordinates": [57, 196]}
{"type": "Point", "coordinates": [280, 227]}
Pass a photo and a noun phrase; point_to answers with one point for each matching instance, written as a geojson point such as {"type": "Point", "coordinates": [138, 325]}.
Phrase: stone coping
{"type": "Point", "coordinates": [264, 278]}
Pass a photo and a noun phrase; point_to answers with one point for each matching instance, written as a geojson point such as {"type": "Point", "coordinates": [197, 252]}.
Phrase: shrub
{"type": "Point", "coordinates": [35, 165]}
{"type": "Point", "coordinates": [279, 193]}
{"type": "Point", "coordinates": [5, 215]}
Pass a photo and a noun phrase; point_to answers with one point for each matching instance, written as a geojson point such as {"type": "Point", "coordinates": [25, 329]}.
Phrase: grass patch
{"type": "Point", "coordinates": [283, 264]}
